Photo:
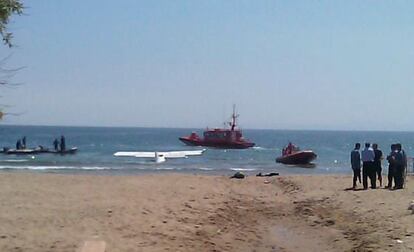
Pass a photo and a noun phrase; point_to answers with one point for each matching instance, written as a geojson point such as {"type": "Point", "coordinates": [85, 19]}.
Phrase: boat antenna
{"type": "Point", "coordinates": [233, 118]}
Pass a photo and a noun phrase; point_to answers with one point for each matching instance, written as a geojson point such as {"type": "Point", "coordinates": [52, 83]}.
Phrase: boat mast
{"type": "Point", "coordinates": [233, 118]}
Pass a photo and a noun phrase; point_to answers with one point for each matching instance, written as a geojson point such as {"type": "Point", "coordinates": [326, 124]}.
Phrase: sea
{"type": "Point", "coordinates": [96, 146]}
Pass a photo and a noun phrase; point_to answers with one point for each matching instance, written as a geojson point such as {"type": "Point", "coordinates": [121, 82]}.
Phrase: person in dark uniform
{"type": "Point", "coordinates": [401, 164]}
{"type": "Point", "coordinates": [24, 142]}
{"type": "Point", "coordinates": [62, 143]}
{"type": "Point", "coordinates": [391, 165]}
{"type": "Point", "coordinates": [56, 144]}
{"type": "Point", "coordinates": [18, 145]}
{"type": "Point", "coordinates": [377, 162]}
{"type": "Point", "coordinates": [356, 164]}
{"type": "Point", "coordinates": [405, 163]}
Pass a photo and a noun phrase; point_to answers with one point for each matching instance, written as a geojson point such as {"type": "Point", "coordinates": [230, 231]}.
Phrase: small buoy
{"type": "Point", "coordinates": [335, 161]}
{"type": "Point", "coordinates": [33, 157]}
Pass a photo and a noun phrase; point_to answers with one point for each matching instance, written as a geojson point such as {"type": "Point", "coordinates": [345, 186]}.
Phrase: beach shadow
{"type": "Point", "coordinates": [384, 188]}
{"type": "Point", "coordinates": [352, 189]}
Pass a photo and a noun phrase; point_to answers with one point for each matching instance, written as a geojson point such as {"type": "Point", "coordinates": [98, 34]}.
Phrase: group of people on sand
{"type": "Point", "coordinates": [371, 158]}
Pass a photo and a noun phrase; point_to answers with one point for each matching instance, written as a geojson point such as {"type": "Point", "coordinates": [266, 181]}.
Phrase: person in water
{"type": "Point", "coordinates": [391, 158]}
{"type": "Point", "coordinates": [62, 143]}
{"type": "Point", "coordinates": [356, 164]}
{"type": "Point", "coordinates": [377, 162]}
{"type": "Point", "coordinates": [368, 156]}
{"type": "Point", "coordinates": [56, 144]}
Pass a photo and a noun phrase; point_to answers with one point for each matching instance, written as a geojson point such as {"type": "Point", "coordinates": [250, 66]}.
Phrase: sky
{"type": "Point", "coordinates": [324, 65]}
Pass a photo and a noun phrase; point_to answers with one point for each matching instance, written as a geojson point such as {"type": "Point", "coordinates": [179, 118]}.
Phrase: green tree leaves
{"type": "Point", "coordinates": [7, 9]}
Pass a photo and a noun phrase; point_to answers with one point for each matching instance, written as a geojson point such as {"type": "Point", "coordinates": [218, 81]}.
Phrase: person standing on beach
{"type": "Point", "coordinates": [377, 162]}
{"type": "Point", "coordinates": [405, 163]}
{"type": "Point", "coordinates": [391, 165]}
{"type": "Point", "coordinates": [356, 164]}
{"type": "Point", "coordinates": [401, 164]}
{"type": "Point", "coordinates": [368, 156]}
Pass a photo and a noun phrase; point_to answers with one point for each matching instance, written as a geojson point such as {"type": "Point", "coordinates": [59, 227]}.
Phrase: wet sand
{"type": "Point", "coordinates": [50, 212]}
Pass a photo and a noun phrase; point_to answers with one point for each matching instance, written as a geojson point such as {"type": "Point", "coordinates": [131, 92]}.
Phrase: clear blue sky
{"type": "Point", "coordinates": [286, 64]}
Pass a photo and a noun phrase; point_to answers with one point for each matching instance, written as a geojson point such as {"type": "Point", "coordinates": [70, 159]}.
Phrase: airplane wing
{"type": "Point", "coordinates": [181, 154]}
{"type": "Point", "coordinates": [138, 154]}
{"type": "Point", "coordinates": [152, 154]}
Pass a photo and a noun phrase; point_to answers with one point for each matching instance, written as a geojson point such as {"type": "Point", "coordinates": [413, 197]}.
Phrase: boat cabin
{"type": "Point", "coordinates": [222, 135]}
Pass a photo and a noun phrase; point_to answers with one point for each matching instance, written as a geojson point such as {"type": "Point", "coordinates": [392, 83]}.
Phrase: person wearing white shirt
{"type": "Point", "coordinates": [367, 157]}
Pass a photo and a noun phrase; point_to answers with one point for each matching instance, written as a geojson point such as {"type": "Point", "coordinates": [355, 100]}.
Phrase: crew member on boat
{"type": "Point", "coordinates": [56, 144]}
{"type": "Point", "coordinates": [289, 149]}
{"type": "Point", "coordinates": [24, 142]}
{"type": "Point", "coordinates": [18, 145]}
{"type": "Point", "coordinates": [62, 143]}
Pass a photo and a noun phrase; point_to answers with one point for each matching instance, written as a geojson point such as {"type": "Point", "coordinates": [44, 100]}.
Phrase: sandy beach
{"type": "Point", "coordinates": [174, 212]}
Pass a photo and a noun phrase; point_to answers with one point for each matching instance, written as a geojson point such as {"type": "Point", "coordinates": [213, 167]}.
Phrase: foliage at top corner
{"type": "Point", "coordinates": [7, 9]}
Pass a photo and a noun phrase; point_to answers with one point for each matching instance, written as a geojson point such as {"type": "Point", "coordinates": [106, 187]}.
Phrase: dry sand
{"type": "Point", "coordinates": [49, 212]}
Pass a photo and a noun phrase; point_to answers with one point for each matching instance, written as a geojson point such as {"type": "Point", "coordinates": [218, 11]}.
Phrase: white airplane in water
{"type": "Point", "coordinates": [159, 156]}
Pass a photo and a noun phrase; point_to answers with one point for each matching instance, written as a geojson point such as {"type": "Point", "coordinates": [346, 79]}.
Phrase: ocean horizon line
{"type": "Point", "coordinates": [199, 128]}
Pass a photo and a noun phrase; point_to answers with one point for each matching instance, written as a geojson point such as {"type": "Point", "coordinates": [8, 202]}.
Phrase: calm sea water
{"type": "Point", "coordinates": [97, 145]}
